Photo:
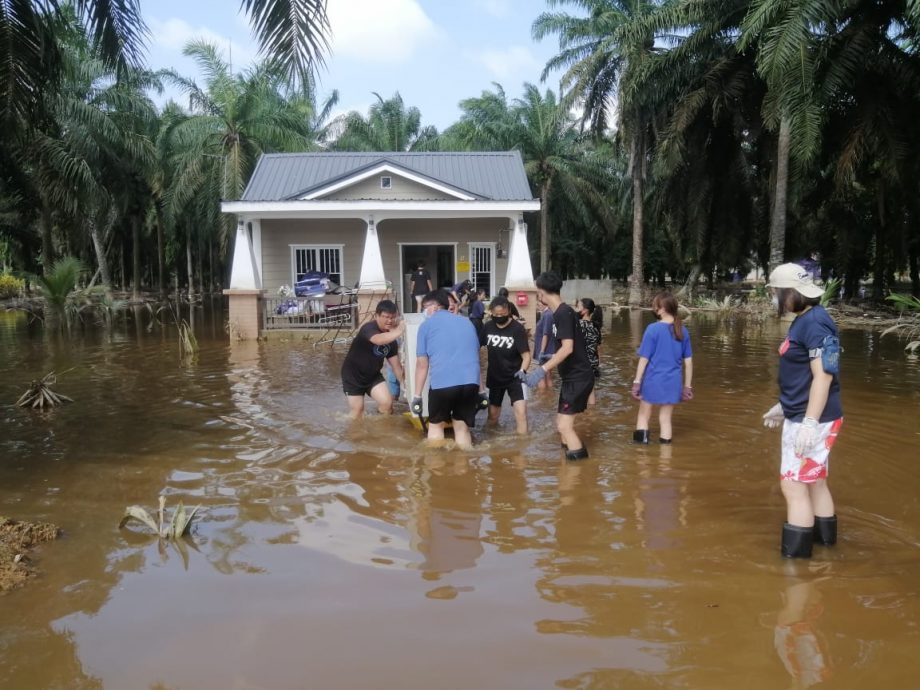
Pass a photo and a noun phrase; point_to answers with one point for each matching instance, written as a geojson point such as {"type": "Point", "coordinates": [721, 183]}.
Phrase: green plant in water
{"type": "Point", "coordinates": [188, 343]}
{"type": "Point", "coordinates": [178, 526]}
{"type": "Point", "coordinates": [11, 286]}
{"type": "Point", "coordinates": [64, 300]}
{"type": "Point", "coordinates": [911, 327]}
{"type": "Point", "coordinates": [831, 290]}
{"type": "Point", "coordinates": [724, 306]}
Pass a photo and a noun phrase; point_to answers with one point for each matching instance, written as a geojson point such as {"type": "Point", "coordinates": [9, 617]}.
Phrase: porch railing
{"type": "Point", "coordinates": [282, 313]}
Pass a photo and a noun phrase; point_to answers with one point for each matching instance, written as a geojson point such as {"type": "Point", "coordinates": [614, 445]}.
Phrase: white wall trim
{"type": "Point", "coordinates": [381, 210]}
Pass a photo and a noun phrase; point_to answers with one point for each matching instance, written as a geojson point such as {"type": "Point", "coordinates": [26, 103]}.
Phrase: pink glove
{"type": "Point", "coordinates": [636, 387]}
{"type": "Point", "coordinates": [686, 394]}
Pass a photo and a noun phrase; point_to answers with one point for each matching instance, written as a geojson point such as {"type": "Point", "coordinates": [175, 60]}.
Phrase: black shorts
{"type": "Point", "coordinates": [573, 398]}
{"type": "Point", "coordinates": [454, 402]}
{"type": "Point", "coordinates": [497, 393]}
{"type": "Point", "coordinates": [355, 388]}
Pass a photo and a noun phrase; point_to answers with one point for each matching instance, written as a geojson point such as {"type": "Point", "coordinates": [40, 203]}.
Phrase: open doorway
{"type": "Point", "coordinates": [439, 262]}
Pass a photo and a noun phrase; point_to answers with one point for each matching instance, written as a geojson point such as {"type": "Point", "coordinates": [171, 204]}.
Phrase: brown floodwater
{"type": "Point", "coordinates": [347, 555]}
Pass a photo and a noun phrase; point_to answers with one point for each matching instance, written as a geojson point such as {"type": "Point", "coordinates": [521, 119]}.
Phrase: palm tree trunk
{"type": "Point", "coordinates": [780, 197]}
{"type": "Point", "coordinates": [689, 287]}
{"type": "Point", "coordinates": [47, 244]}
{"type": "Point", "coordinates": [161, 252]}
{"type": "Point", "coordinates": [637, 165]}
{"type": "Point", "coordinates": [188, 261]}
{"type": "Point", "coordinates": [136, 256]}
{"type": "Point", "coordinates": [100, 256]}
{"type": "Point", "coordinates": [544, 227]}
{"type": "Point", "coordinates": [878, 277]}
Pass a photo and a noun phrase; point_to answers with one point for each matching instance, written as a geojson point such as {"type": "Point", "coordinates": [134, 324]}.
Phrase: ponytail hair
{"type": "Point", "coordinates": [595, 312]}
{"type": "Point", "coordinates": [668, 302]}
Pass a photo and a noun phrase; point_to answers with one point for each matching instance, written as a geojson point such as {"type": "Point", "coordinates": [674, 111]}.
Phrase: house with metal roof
{"type": "Point", "coordinates": [366, 220]}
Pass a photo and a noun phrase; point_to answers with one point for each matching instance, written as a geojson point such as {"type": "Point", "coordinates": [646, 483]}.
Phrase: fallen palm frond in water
{"type": "Point", "coordinates": [178, 526]}
{"type": "Point", "coordinates": [40, 394]}
{"type": "Point", "coordinates": [909, 327]}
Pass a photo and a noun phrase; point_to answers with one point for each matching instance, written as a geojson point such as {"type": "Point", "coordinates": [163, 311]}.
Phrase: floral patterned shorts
{"type": "Point", "coordinates": [812, 464]}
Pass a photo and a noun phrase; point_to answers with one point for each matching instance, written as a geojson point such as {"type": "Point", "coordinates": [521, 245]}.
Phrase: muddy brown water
{"type": "Point", "coordinates": [335, 555]}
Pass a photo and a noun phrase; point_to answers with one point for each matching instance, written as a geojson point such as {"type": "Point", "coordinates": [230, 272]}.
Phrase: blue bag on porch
{"type": "Point", "coordinates": [313, 284]}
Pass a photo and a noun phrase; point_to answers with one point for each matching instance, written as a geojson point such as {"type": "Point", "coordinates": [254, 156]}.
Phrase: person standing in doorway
{"type": "Point", "coordinates": [508, 351]}
{"type": "Point", "coordinates": [420, 284]}
{"type": "Point", "coordinates": [809, 410]}
{"type": "Point", "coordinates": [374, 344]}
{"type": "Point", "coordinates": [478, 309]}
{"type": "Point", "coordinates": [571, 357]}
{"type": "Point", "coordinates": [663, 354]}
{"type": "Point", "coordinates": [447, 350]}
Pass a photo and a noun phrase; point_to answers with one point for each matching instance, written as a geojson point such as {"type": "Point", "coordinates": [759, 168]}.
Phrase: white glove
{"type": "Point", "coordinates": [806, 436]}
{"type": "Point", "coordinates": [774, 417]}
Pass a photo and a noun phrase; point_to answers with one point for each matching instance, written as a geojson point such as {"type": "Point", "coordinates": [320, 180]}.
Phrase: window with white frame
{"type": "Point", "coordinates": [324, 258]}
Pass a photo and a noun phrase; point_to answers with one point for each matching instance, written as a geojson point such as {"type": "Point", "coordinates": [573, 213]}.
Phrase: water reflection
{"type": "Point", "coordinates": [797, 639]}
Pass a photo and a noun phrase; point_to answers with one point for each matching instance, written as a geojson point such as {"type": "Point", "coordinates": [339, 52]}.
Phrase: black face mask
{"type": "Point", "coordinates": [501, 320]}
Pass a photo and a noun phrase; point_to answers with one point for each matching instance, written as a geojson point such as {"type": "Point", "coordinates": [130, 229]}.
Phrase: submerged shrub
{"type": "Point", "coordinates": [11, 286]}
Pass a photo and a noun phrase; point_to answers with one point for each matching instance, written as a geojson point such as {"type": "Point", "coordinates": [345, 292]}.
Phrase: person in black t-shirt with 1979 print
{"type": "Point", "coordinates": [505, 341]}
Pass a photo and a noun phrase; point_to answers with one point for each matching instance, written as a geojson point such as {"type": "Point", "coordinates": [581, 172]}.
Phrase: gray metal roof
{"type": "Point", "coordinates": [495, 176]}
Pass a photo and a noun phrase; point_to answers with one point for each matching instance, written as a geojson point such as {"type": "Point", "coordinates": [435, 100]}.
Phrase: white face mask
{"type": "Point", "coordinates": [775, 302]}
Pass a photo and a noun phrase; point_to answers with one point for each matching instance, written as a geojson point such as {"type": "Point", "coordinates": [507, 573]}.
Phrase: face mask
{"type": "Point", "coordinates": [775, 302]}
{"type": "Point", "coordinates": [501, 320]}
{"type": "Point", "coordinates": [426, 313]}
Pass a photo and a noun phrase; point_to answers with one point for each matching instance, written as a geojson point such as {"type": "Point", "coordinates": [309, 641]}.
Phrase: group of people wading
{"type": "Point", "coordinates": [566, 341]}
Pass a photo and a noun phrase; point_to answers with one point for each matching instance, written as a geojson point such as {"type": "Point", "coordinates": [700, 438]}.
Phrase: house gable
{"type": "Point", "coordinates": [367, 183]}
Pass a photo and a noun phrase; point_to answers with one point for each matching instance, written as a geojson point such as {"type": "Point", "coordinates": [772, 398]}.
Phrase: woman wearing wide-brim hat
{"type": "Point", "coordinates": [809, 410]}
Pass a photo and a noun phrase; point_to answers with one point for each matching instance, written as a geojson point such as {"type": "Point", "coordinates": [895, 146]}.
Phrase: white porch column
{"type": "Point", "coordinates": [372, 276]}
{"type": "Point", "coordinates": [520, 273]}
{"type": "Point", "coordinates": [244, 274]}
{"type": "Point", "coordinates": [519, 279]}
{"type": "Point", "coordinates": [245, 291]}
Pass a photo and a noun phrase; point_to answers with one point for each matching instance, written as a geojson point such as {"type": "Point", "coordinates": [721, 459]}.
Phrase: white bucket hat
{"type": "Point", "coordinates": [796, 277]}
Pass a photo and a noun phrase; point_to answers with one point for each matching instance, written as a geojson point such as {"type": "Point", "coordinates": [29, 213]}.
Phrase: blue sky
{"type": "Point", "coordinates": [434, 52]}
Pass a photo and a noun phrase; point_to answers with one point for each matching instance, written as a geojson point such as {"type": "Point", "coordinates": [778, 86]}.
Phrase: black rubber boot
{"type": "Point", "coordinates": [579, 454]}
{"type": "Point", "coordinates": [796, 541]}
{"type": "Point", "coordinates": [640, 436]}
{"type": "Point", "coordinates": [664, 441]}
{"type": "Point", "coordinates": [825, 531]}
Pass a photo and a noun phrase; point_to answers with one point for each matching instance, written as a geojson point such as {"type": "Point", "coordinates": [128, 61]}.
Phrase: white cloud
{"type": "Point", "coordinates": [495, 8]}
{"type": "Point", "coordinates": [172, 35]}
{"type": "Point", "coordinates": [388, 31]}
{"type": "Point", "coordinates": [512, 62]}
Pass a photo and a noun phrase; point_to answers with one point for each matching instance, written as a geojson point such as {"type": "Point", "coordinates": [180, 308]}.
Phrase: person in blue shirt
{"type": "Point", "coordinates": [478, 310]}
{"type": "Point", "coordinates": [447, 351]}
{"type": "Point", "coordinates": [544, 343]}
{"type": "Point", "coordinates": [809, 410]}
{"type": "Point", "coordinates": [664, 375]}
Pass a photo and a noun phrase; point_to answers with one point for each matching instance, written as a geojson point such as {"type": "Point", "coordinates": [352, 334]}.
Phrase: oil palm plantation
{"type": "Point", "coordinates": [291, 33]}
{"type": "Point", "coordinates": [599, 52]}
{"type": "Point", "coordinates": [562, 165]}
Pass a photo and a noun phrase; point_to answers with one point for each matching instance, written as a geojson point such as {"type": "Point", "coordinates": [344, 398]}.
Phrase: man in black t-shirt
{"type": "Point", "coordinates": [420, 283]}
{"type": "Point", "coordinates": [375, 343]}
{"type": "Point", "coordinates": [571, 358]}
{"type": "Point", "coordinates": [505, 341]}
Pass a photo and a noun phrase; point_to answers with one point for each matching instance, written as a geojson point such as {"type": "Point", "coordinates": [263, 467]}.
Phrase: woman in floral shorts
{"type": "Point", "coordinates": [809, 410]}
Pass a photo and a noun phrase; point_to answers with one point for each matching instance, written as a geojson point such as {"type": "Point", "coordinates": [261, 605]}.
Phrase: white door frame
{"type": "Point", "coordinates": [402, 273]}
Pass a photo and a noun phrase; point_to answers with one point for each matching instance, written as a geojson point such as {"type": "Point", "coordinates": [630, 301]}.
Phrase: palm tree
{"type": "Point", "coordinates": [389, 126]}
{"type": "Point", "coordinates": [600, 52]}
{"type": "Point", "coordinates": [291, 33]}
{"type": "Point", "coordinates": [561, 164]}
{"type": "Point", "coordinates": [209, 153]}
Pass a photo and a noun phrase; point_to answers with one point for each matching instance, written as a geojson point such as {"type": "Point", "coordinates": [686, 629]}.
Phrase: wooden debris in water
{"type": "Point", "coordinates": [39, 396]}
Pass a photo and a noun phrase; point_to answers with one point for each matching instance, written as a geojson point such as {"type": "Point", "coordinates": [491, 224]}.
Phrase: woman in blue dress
{"type": "Point", "coordinates": [664, 375]}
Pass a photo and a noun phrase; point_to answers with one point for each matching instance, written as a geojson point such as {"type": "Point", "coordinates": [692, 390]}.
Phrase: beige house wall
{"type": "Point", "coordinates": [278, 236]}
{"type": "Point", "coordinates": [402, 188]}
